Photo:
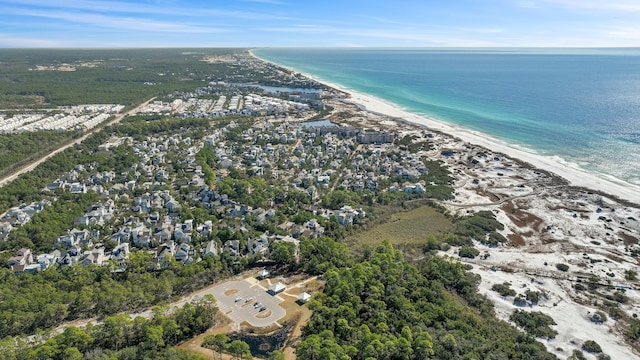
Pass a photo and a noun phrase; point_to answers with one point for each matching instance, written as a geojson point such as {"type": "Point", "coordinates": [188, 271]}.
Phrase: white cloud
{"type": "Point", "coordinates": [114, 22]}
{"type": "Point", "coordinates": [624, 33]}
{"type": "Point", "coordinates": [598, 5]}
{"type": "Point", "coordinates": [146, 9]}
{"type": "Point", "coordinates": [428, 25]}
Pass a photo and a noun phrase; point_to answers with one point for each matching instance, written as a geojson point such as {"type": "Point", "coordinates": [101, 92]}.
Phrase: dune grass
{"type": "Point", "coordinates": [409, 228]}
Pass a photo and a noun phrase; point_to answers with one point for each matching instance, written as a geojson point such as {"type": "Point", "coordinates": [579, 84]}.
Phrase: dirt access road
{"type": "Point", "coordinates": [35, 163]}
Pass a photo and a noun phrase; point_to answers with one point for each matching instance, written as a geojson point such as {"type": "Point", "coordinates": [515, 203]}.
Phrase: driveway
{"type": "Point", "coordinates": [238, 305]}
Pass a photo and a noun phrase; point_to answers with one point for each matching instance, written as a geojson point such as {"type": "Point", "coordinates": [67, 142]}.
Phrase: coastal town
{"type": "Point", "coordinates": [309, 158]}
{"type": "Point", "coordinates": [264, 166]}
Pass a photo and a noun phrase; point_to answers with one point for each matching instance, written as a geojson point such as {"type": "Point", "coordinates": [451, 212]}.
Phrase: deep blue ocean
{"type": "Point", "coordinates": [581, 106]}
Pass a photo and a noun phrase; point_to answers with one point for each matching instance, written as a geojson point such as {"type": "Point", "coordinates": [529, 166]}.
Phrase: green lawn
{"type": "Point", "coordinates": [406, 228]}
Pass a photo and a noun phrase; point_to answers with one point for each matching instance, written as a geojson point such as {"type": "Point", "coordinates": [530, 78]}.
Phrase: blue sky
{"type": "Point", "coordinates": [319, 23]}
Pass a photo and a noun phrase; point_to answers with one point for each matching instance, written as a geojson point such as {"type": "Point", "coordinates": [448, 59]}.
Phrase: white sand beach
{"type": "Point", "coordinates": [547, 223]}
{"type": "Point", "coordinates": [570, 172]}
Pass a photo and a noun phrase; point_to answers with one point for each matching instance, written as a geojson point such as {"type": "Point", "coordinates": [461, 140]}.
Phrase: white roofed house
{"type": "Point", "coordinates": [182, 232]}
{"type": "Point", "coordinates": [263, 274]}
{"type": "Point", "coordinates": [47, 260]}
{"type": "Point", "coordinates": [188, 225]}
{"type": "Point", "coordinates": [276, 288]}
{"type": "Point", "coordinates": [205, 229]}
{"type": "Point", "coordinates": [68, 259]}
{"type": "Point", "coordinates": [304, 297]}
{"type": "Point", "coordinates": [67, 240]}
{"type": "Point", "coordinates": [95, 257]}
{"type": "Point", "coordinates": [344, 218]}
{"type": "Point", "coordinates": [140, 235]}
{"type": "Point", "coordinates": [77, 188]}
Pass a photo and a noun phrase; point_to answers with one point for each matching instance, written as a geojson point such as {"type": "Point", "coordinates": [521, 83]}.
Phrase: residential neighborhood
{"type": "Point", "coordinates": [150, 204]}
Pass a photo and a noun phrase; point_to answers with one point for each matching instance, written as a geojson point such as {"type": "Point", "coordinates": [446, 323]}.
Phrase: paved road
{"type": "Point", "coordinates": [243, 310]}
{"type": "Point", "coordinates": [35, 163]}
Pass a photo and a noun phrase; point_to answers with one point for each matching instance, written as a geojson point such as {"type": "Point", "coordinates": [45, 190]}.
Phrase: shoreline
{"type": "Point", "coordinates": [612, 187]}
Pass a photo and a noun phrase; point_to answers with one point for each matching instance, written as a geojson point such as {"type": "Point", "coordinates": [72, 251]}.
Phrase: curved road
{"type": "Point", "coordinates": [37, 162]}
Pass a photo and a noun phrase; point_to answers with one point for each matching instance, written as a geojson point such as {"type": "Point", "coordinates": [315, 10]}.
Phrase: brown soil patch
{"type": "Point", "coordinates": [230, 292]}
{"type": "Point", "coordinates": [296, 332]}
{"type": "Point", "coordinates": [506, 269]}
{"type": "Point", "coordinates": [516, 239]}
{"type": "Point", "coordinates": [614, 258]}
{"type": "Point", "coordinates": [490, 196]}
{"type": "Point", "coordinates": [548, 240]}
{"type": "Point", "coordinates": [628, 239]}
{"type": "Point", "coordinates": [560, 207]}
{"type": "Point", "coordinates": [520, 217]}
{"type": "Point", "coordinates": [223, 326]}
{"type": "Point", "coordinates": [264, 314]}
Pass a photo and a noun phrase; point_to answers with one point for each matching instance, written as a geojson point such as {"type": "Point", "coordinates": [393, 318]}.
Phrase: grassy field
{"type": "Point", "coordinates": [406, 229]}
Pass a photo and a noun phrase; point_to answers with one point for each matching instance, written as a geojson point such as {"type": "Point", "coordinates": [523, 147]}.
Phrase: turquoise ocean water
{"type": "Point", "coordinates": [580, 106]}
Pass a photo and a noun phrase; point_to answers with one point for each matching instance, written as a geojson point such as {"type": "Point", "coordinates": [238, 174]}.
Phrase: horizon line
{"type": "Point", "coordinates": [318, 47]}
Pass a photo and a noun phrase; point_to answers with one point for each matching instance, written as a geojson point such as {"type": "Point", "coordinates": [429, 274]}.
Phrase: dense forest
{"type": "Point", "coordinates": [121, 337]}
{"type": "Point", "coordinates": [386, 308]}
{"type": "Point", "coordinates": [124, 77]}
{"type": "Point", "coordinates": [38, 302]}
{"type": "Point", "coordinates": [17, 149]}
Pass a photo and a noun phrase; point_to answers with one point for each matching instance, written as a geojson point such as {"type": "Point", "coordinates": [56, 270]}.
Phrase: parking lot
{"type": "Point", "coordinates": [242, 301]}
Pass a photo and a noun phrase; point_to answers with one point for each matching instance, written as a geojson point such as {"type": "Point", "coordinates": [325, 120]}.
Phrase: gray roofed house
{"type": "Point", "coordinates": [212, 248]}
{"type": "Point", "coordinates": [258, 246]}
{"type": "Point", "coordinates": [233, 246]}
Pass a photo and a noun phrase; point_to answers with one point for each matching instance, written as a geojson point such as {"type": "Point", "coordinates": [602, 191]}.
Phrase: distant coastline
{"type": "Point", "coordinates": [575, 176]}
